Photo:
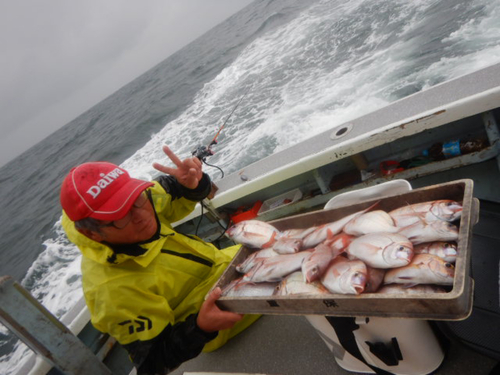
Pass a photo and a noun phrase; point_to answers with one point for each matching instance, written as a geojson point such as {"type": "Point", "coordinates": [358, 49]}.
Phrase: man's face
{"type": "Point", "coordinates": [138, 225]}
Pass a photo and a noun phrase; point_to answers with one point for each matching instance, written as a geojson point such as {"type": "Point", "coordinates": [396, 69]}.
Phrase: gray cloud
{"type": "Point", "coordinates": [61, 57]}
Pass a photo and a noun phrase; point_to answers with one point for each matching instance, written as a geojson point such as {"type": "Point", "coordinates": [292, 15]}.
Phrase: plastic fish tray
{"type": "Point", "coordinates": [454, 305]}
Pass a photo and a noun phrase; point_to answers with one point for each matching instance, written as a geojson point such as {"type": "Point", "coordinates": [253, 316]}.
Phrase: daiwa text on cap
{"type": "Point", "coordinates": [100, 190]}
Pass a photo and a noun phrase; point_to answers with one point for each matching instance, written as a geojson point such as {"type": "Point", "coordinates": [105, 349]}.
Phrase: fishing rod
{"type": "Point", "coordinates": [202, 152]}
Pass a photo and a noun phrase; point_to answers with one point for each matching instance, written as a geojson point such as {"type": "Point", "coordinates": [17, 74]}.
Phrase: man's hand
{"type": "Point", "coordinates": [211, 318]}
{"type": "Point", "coordinates": [188, 172]}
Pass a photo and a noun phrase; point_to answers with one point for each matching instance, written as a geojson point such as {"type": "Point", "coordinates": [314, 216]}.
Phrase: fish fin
{"type": "Point", "coordinates": [372, 206]}
{"type": "Point", "coordinates": [359, 213]}
{"type": "Point", "coordinates": [415, 224]}
{"type": "Point", "coordinates": [270, 242]}
{"type": "Point", "coordinates": [419, 216]}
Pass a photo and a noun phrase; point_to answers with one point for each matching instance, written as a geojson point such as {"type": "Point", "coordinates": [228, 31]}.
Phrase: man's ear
{"type": "Point", "coordinates": [91, 234]}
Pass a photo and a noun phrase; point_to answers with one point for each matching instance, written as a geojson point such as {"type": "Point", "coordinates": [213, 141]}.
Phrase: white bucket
{"type": "Point", "coordinates": [419, 347]}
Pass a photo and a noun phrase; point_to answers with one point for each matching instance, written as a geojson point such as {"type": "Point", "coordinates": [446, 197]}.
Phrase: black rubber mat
{"type": "Point", "coordinates": [481, 331]}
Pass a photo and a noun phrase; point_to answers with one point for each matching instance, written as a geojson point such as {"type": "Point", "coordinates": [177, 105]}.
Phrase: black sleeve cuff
{"type": "Point", "coordinates": [201, 191]}
{"type": "Point", "coordinates": [176, 190]}
{"type": "Point", "coordinates": [209, 336]}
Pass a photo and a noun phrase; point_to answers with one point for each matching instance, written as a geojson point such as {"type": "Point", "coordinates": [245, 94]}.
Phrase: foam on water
{"type": "Point", "coordinates": [330, 64]}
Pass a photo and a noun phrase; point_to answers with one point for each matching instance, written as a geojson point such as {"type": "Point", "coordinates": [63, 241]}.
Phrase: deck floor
{"type": "Point", "coordinates": [288, 345]}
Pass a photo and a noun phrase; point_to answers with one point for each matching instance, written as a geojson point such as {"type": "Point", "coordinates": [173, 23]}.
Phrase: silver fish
{"type": "Point", "coordinates": [417, 289]}
{"type": "Point", "coordinates": [240, 288]}
{"type": "Point", "coordinates": [254, 258]}
{"type": "Point", "coordinates": [382, 250]}
{"type": "Point", "coordinates": [444, 250]}
{"type": "Point", "coordinates": [285, 245]}
{"type": "Point", "coordinates": [275, 268]}
{"type": "Point", "coordinates": [371, 222]}
{"type": "Point", "coordinates": [297, 233]}
{"type": "Point", "coordinates": [444, 209]}
{"type": "Point", "coordinates": [322, 255]}
{"type": "Point", "coordinates": [423, 269]}
{"type": "Point", "coordinates": [253, 233]}
{"type": "Point", "coordinates": [421, 231]}
{"type": "Point", "coordinates": [294, 284]}
{"type": "Point", "coordinates": [345, 276]}
{"type": "Point", "coordinates": [322, 232]}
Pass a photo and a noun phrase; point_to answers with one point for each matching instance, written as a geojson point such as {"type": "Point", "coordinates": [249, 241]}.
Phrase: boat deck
{"type": "Point", "coordinates": [288, 345]}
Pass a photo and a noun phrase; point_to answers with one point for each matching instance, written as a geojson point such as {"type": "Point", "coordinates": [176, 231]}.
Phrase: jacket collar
{"type": "Point", "coordinates": [142, 253]}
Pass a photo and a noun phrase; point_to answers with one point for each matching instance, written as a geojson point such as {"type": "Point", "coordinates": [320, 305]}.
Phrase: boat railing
{"type": "Point", "coordinates": [53, 341]}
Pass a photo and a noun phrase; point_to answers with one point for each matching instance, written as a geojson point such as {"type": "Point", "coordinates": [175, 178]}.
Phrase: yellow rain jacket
{"type": "Point", "coordinates": [147, 295]}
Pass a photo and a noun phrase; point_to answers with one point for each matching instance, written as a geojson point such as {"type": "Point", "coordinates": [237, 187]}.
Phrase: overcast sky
{"type": "Point", "coordinates": [61, 57]}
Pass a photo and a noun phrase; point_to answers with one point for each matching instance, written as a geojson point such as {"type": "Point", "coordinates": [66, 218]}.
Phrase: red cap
{"type": "Point", "coordinates": [99, 190]}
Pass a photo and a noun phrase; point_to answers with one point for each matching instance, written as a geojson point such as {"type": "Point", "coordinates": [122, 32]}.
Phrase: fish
{"type": "Point", "coordinates": [320, 233]}
{"type": "Point", "coordinates": [444, 209]}
{"type": "Point", "coordinates": [423, 269]}
{"type": "Point", "coordinates": [286, 245]}
{"type": "Point", "coordinates": [375, 278]}
{"type": "Point", "coordinates": [275, 268]}
{"type": "Point", "coordinates": [294, 284]}
{"type": "Point", "coordinates": [297, 233]}
{"type": "Point", "coordinates": [323, 254]}
{"type": "Point", "coordinates": [240, 288]}
{"type": "Point", "coordinates": [253, 233]}
{"type": "Point", "coordinates": [417, 289]}
{"type": "Point", "coordinates": [382, 250]}
{"type": "Point", "coordinates": [422, 231]}
{"type": "Point", "coordinates": [444, 250]}
{"type": "Point", "coordinates": [371, 222]}
{"type": "Point", "coordinates": [254, 258]}
{"type": "Point", "coordinates": [345, 276]}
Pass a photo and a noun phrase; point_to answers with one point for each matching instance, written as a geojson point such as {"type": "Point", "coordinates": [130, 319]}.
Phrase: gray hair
{"type": "Point", "coordinates": [89, 223]}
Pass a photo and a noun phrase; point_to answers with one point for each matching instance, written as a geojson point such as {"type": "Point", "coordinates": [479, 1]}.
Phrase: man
{"type": "Point", "coordinates": [144, 283]}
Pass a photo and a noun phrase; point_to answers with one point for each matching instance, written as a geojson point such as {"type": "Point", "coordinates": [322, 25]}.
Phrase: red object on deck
{"type": "Point", "coordinates": [390, 167]}
{"type": "Point", "coordinates": [245, 213]}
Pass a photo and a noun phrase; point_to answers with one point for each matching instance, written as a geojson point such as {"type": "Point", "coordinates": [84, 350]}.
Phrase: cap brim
{"type": "Point", "coordinates": [121, 202]}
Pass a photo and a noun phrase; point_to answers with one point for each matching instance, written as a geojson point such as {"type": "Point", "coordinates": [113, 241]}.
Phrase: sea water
{"type": "Point", "coordinates": [301, 67]}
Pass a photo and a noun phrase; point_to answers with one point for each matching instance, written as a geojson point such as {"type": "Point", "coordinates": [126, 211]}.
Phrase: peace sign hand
{"type": "Point", "coordinates": [188, 172]}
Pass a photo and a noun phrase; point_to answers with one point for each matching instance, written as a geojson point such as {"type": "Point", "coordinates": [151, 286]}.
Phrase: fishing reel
{"type": "Point", "coordinates": [202, 152]}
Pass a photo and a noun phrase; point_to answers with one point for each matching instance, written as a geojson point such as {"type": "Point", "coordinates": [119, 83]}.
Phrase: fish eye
{"type": "Point", "coordinates": [401, 248]}
{"type": "Point", "coordinates": [448, 265]}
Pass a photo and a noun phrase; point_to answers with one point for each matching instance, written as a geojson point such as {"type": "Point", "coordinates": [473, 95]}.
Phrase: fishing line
{"type": "Point", "coordinates": [218, 222]}
{"type": "Point", "coordinates": [199, 222]}
{"type": "Point", "coordinates": [214, 166]}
